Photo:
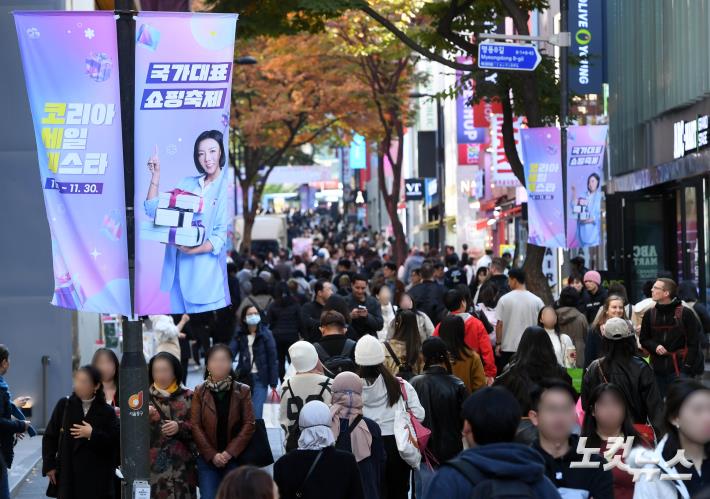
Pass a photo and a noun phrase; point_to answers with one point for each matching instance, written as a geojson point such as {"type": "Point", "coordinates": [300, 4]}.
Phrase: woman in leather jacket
{"type": "Point", "coordinates": [442, 395]}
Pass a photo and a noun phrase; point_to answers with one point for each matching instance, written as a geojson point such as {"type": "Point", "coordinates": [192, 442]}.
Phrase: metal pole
{"type": "Point", "coordinates": [564, 107]}
{"type": "Point", "coordinates": [440, 173]}
{"type": "Point", "coordinates": [133, 373]}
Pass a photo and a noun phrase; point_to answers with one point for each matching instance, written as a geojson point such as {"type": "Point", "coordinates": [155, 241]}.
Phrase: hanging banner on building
{"type": "Point", "coordinates": [502, 172]}
{"type": "Point", "coordinates": [543, 180]}
{"type": "Point", "coordinates": [585, 175]}
{"type": "Point", "coordinates": [183, 82]}
{"type": "Point", "coordinates": [586, 67]}
{"type": "Point", "coordinates": [70, 61]}
{"type": "Point", "coordinates": [469, 137]}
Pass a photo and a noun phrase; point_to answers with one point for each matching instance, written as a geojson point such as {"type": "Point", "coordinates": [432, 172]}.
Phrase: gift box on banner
{"type": "Point", "coordinates": [172, 217]}
{"type": "Point", "coordinates": [68, 293]}
{"type": "Point", "coordinates": [183, 236]}
{"type": "Point", "coordinates": [182, 200]}
{"type": "Point", "coordinates": [98, 66]}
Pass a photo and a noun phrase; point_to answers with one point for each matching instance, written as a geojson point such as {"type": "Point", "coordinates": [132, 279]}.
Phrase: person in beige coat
{"type": "Point", "coordinates": [572, 322]}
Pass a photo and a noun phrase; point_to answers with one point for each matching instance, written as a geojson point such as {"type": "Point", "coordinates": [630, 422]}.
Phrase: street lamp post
{"type": "Point", "coordinates": [440, 166]}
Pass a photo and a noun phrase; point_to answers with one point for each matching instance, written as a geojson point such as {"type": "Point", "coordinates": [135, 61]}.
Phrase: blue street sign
{"type": "Point", "coordinates": [508, 56]}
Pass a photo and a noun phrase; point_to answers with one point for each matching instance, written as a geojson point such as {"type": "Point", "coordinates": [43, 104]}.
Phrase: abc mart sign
{"type": "Point", "coordinates": [689, 136]}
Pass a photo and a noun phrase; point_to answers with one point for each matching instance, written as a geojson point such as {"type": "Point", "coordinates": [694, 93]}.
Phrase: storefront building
{"type": "Point", "coordinates": [659, 160]}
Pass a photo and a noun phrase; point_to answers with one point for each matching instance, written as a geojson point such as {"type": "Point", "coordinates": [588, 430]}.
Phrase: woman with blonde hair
{"type": "Point", "coordinates": [614, 306]}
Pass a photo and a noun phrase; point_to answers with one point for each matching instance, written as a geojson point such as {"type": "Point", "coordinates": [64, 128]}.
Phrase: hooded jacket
{"type": "Point", "coordinates": [501, 461]}
{"type": "Point", "coordinates": [573, 323]}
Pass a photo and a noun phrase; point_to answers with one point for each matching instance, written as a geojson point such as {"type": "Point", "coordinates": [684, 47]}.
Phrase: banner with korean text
{"type": "Point", "coordinates": [543, 181]}
{"type": "Point", "coordinates": [70, 62]}
{"type": "Point", "coordinates": [585, 175]}
{"type": "Point", "coordinates": [183, 86]}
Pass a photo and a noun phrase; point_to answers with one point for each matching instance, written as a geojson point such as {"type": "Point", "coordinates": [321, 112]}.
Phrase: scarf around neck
{"type": "Point", "coordinates": [346, 404]}
{"type": "Point", "coordinates": [167, 392]}
{"type": "Point", "coordinates": [219, 386]}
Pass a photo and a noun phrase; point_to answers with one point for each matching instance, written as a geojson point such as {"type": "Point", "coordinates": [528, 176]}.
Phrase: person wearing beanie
{"type": "Point", "coordinates": [442, 395]}
{"type": "Point", "coordinates": [306, 385]}
{"type": "Point", "coordinates": [597, 294]}
{"type": "Point", "coordinates": [623, 366]}
{"type": "Point", "coordinates": [380, 396]}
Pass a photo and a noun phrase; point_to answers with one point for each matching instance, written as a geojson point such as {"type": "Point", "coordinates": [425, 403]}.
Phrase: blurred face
{"type": "Point", "coordinates": [253, 313]}
{"type": "Point", "coordinates": [163, 375]}
{"type": "Point", "coordinates": [387, 272]}
{"type": "Point", "coordinates": [659, 293]}
{"type": "Point", "coordinates": [84, 385]}
{"type": "Point", "coordinates": [693, 421]}
{"type": "Point", "coordinates": [549, 318]}
{"type": "Point", "coordinates": [106, 367]}
{"type": "Point", "coordinates": [219, 365]}
{"type": "Point", "coordinates": [616, 309]}
{"type": "Point", "coordinates": [577, 284]}
{"type": "Point", "coordinates": [208, 155]}
{"type": "Point", "coordinates": [592, 184]}
{"type": "Point", "coordinates": [416, 278]}
{"type": "Point", "coordinates": [405, 303]}
{"type": "Point", "coordinates": [327, 291]}
{"type": "Point", "coordinates": [482, 275]}
{"type": "Point", "coordinates": [555, 416]}
{"type": "Point", "coordinates": [359, 288]}
{"type": "Point", "coordinates": [591, 286]}
{"type": "Point", "coordinates": [385, 296]}
{"type": "Point", "coordinates": [4, 366]}
{"type": "Point", "coordinates": [609, 412]}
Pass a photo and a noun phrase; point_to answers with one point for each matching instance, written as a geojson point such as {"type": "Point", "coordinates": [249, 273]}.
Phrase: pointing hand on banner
{"type": "Point", "coordinates": [154, 162]}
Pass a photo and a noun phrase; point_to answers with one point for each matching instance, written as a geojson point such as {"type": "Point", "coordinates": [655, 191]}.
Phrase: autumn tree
{"type": "Point", "coordinates": [386, 68]}
{"type": "Point", "coordinates": [300, 92]}
{"type": "Point", "coordinates": [446, 28]}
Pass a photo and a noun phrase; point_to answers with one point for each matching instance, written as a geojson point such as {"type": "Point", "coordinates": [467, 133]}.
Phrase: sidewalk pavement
{"type": "Point", "coordinates": [28, 453]}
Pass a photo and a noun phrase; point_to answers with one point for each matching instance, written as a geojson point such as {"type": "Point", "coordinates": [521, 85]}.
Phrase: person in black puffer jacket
{"type": "Point", "coordinates": [670, 333]}
{"type": "Point", "coordinates": [442, 395]}
{"type": "Point", "coordinates": [284, 318]}
{"type": "Point", "coordinates": [623, 366]}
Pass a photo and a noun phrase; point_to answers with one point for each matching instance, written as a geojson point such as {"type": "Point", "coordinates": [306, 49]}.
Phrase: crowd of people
{"type": "Point", "coordinates": [438, 376]}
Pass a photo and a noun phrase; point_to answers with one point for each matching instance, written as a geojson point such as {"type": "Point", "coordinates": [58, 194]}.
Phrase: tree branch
{"type": "Point", "coordinates": [411, 43]}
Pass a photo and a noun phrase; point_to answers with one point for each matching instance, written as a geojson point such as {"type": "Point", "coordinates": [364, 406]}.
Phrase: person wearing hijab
{"type": "Point", "coordinates": [316, 469]}
{"type": "Point", "coordinates": [357, 434]}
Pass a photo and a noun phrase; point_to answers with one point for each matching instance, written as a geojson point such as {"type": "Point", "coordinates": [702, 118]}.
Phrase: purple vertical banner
{"type": "Point", "coordinates": [543, 181]}
{"type": "Point", "coordinates": [183, 88]}
{"type": "Point", "coordinates": [585, 176]}
{"type": "Point", "coordinates": [70, 61]}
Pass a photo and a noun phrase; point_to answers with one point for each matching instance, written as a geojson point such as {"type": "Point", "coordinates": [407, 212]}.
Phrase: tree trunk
{"type": "Point", "coordinates": [399, 250]}
{"type": "Point", "coordinates": [535, 279]}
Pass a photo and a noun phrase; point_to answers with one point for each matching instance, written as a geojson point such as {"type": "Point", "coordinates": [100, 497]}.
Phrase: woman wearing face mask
{"type": "Point", "coordinates": [687, 421]}
{"type": "Point", "coordinates": [191, 274]}
{"type": "Point", "coordinates": [80, 441]}
{"type": "Point", "coordinates": [222, 418]}
{"type": "Point", "coordinates": [613, 307]}
{"type": "Point", "coordinates": [172, 468]}
{"type": "Point", "coordinates": [257, 366]}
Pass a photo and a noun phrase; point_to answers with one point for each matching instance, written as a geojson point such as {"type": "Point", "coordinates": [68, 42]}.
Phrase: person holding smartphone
{"type": "Point", "coordinates": [366, 313]}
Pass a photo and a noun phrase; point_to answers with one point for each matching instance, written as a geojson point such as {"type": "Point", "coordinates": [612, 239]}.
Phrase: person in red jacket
{"type": "Point", "coordinates": [475, 336]}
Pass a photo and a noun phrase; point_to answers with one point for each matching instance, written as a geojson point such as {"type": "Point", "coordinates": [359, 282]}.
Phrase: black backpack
{"type": "Point", "coordinates": [491, 488]}
{"type": "Point", "coordinates": [336, 364]}
{"type": "Point", "coordinates": [294, 430]}
{"type": "Point", "coordinates": [404, 370]}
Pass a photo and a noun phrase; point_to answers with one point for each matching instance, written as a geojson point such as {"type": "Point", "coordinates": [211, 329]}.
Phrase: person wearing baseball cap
{"type": "Point", "coordinates": [597, 294]}
{"type": "Point", "coordinates": [623, 366]}
{"type": "Point", "coordinates": [307, 384]}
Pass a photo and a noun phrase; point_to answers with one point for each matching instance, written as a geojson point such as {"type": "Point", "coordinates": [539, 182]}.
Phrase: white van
{"type": "Point", "coordinates": [269, 233]}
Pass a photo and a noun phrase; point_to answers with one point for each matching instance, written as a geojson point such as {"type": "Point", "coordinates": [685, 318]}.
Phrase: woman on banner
{"type": "Point", "coordinates": [195, 276]}
{"type": "Point", "coordinates": [588, 212]}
